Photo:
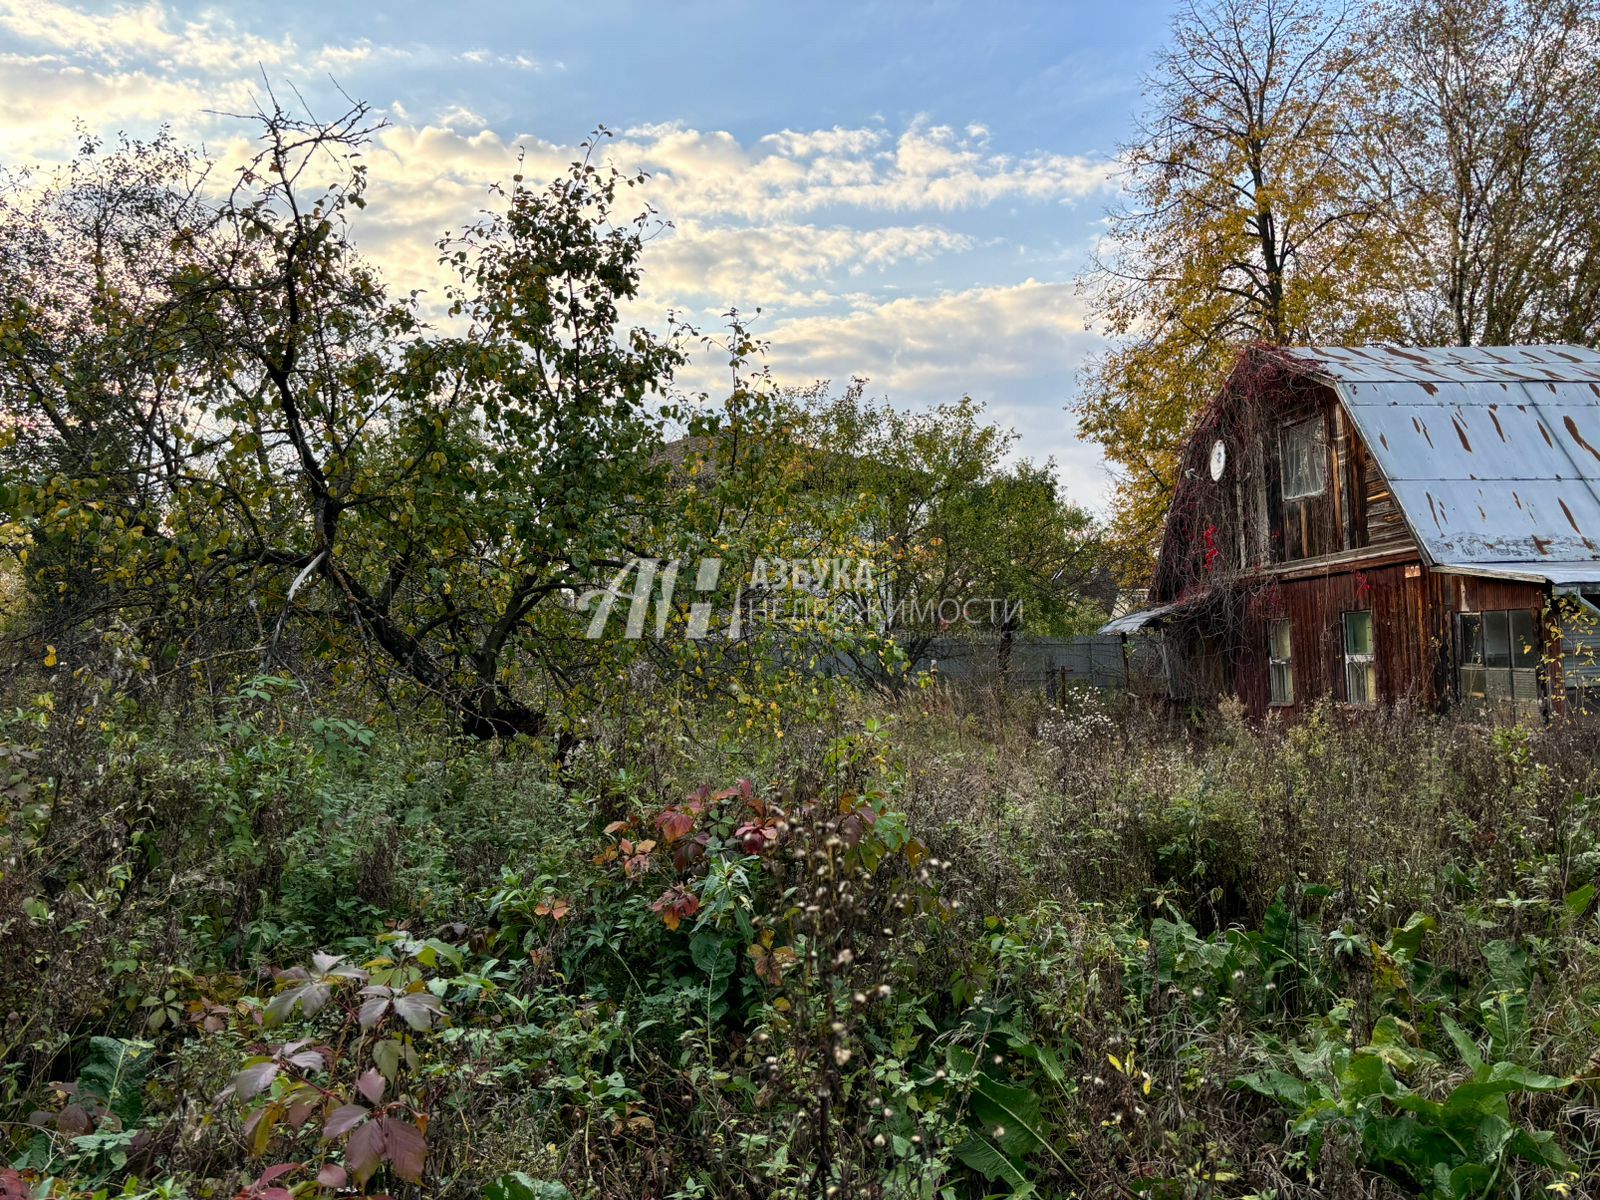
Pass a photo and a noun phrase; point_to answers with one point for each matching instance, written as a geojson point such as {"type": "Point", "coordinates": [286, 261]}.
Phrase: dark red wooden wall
{"type": "Point", "coordinates": [1413, 613]}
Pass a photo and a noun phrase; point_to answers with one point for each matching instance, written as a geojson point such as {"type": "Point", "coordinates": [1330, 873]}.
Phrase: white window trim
{"type": "Point", "coordinates": [1273, 661]}
{"type": "Point", "coordinates": [1364, 660]}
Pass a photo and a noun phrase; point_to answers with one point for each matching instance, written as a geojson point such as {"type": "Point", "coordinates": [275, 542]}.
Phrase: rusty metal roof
{"type": "Point", "coordinates": [1492, 452]}
{"type": "Point", "coordinates": [1432, 364]}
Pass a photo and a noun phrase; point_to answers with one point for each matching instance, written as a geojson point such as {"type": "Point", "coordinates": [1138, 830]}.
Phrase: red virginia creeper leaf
{"type": "Point", "coordinates": [343, 1119]}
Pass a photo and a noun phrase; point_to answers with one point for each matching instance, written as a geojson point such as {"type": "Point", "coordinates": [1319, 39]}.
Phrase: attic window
{"type": "Point", "coordinates": [1303, 448]}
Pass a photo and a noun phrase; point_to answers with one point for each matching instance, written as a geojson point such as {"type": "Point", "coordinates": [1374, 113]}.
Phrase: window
{"type": "Point", "coordinates": [1497, 656]}
{"type": "Point", "coordinates": [1280, 663]}
{"type": "Point", "coordinates": [1360, 669]}
{"type": "Point", "coordinates": [1303, 448]}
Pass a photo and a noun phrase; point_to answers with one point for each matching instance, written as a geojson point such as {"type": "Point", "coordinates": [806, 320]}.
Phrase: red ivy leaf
{"type": "Point", "coordinates": [675, 904]}
{"type": "Point", "coordinates": [405, 1148]}
{"type": "Point", "coordinates": [364, 1151]}
{"type": "Point", "coordinates": [253, 1080]}
{"type": "Point", "coordinates": [275, 1172]}
{"type": "Point", "coordinates": [342, 1120]}
{"type": "Point", "coordinates": [371, 1085]}
{"type": "Point", "coordinates": [675, 825]}
{"type": "Point", "coordinates": [418, 1009]}
{"type": "Point", "coordinates": [333, 1176]}
{"type": "Point", "coordinates": [386, 1139]}
{"type": "Point", "coordinates": [686, 854]}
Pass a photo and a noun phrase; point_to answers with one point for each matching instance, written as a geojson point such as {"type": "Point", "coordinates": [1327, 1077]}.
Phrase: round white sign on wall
{"type": "Point", "coordinates": [1219, 459]}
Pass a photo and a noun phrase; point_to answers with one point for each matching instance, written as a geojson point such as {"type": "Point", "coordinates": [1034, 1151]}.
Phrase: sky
{"type": "Point", "coordinates": [906, 189]}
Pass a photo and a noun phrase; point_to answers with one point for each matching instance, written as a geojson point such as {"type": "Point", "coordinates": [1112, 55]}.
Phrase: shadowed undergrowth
{"type": "Point", "coordinates": [958, 946]}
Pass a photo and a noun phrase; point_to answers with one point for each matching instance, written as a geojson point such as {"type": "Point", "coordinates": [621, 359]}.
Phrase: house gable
{"type": "Point", "coordinates": [1275, 475]}
{"type": "Point", "coordinates": [1379, 523]}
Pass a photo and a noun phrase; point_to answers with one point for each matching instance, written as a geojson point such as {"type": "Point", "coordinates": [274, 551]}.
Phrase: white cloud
{"type": "Point", "coordinates": [823, 228]}
{"type": "Point", "coordinates": [710, 174]}
{"type": "Point", "coordinates": [142, 34]}
{"type": "Point", "coordinates": [787, 174]}
{"type": "Point", "coordinates": [41, 100]}
{"type": "Point", "coordinates": [782, 263]}
{"type": "Point", "coordinates": [1014, 347]}
{"type": "Point", "coordinates": [139, 65]}
{"type": "Point", "coordinates": [930, 344]}
{"type": "Point", "coordinates": [515, 62]}
{"type": "Point", "coordinates": [741, 199]}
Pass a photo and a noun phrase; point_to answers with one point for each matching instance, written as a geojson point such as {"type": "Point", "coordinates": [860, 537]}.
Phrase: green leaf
{"type": "Point", "coordinates": [1539, 1146]}
{"type": "Point", "coordinates": [115, 1072]}
{"type": "Point", "coordinates": [1508, 965]}
{"type": "Point", "coordinates": [1010, 1115]}
{"type": "Point", "coordinates": [1367, 1074]}
{"type": "Point", "coordinates": [984, 1157]}
{"type": "Point", "coordinates": [1277, 1085]}
{"type": "Point", "coordinates": [1406, 942]}
{"type": "Point", "coordinates": [518, 1186]}
{"type": "Point", "coordinates": [1464, 1045]}
{"type": "Point", "coordinates": [1050, 1063]}
{"type": "Point", "coordinates": [1505, 1016]}
{"type": "Point", "coordinates": [1577, 902]}
{"type": "Point", "coordinates": [714, 955]}
{"type": "Point", "coordinates": [1390, 1043]}
{"type": "Point", "coordinates": [386, 1054]}
{"type": "Point", "coordinates": [1409, 1143]}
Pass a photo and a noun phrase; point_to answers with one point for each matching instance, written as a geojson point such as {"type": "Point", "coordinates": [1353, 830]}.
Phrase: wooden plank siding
{"type": "Point", "coordinates": [1413, 618]}
{"type": "Point", "coordinates": [1237, 554]}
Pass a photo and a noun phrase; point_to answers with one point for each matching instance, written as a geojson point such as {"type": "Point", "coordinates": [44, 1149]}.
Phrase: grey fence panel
{"type": "Point", "coordinates": [1091, 661]}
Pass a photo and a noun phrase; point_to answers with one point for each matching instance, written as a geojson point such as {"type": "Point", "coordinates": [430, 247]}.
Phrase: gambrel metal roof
{"type": "Point", "coordinates": [1492, 452]}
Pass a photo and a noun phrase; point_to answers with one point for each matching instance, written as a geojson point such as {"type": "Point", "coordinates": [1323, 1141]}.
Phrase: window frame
{"type": "Point", "coordinates": [1520, 665]}
{"type": "Point", "coordinates": [1367, 662]}
{"type": "Point", "coordinates": [1274, 662]}
{"type": "Point", "coordinates": [1474, 665]}
{"type": "Point", "coordinates": [1318, 456]}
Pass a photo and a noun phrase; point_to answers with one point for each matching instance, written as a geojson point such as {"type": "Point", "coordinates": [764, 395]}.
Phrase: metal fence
{"type": "Point", "coordinates": [1049, 663]}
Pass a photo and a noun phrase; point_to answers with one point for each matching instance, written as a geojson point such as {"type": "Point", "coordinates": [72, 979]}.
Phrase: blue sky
{"type": "Point", "coordinates": [907, 189]}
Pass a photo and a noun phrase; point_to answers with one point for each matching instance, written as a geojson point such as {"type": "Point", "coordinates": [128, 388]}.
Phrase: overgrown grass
{"type": "Point", "coordinates": [956, 945]}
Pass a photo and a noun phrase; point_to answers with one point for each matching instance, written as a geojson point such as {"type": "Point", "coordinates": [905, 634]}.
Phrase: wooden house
{"type": "Point", "coordinates": [1380, 523]}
